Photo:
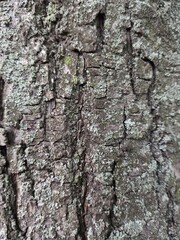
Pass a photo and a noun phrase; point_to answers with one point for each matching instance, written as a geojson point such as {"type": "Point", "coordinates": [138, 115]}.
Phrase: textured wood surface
{"type": "Point", "coordinates": [89, 120]}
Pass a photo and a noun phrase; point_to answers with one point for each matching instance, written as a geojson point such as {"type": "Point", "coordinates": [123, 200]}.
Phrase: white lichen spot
{"type": "Point", "coordinates": [133, 228]}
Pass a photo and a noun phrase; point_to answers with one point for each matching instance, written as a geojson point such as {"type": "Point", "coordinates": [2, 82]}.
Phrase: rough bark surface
{"type": "Point", "coordinates": [89, 117]}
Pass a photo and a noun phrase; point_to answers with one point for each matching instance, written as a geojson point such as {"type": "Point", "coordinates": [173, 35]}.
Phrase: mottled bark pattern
{"type": "Point", "coordinates": [89, 116]}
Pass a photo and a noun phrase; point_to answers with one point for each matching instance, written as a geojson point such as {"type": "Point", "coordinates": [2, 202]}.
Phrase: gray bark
{"type": "Point", "coordinates": [89, 117]}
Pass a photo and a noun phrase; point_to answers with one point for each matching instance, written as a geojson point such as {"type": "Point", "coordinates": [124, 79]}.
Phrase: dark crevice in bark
{"type": "Point", "coordinates": [153, 82]}
{"type": "Point", "coordinates": [154, 146]}
{"type": "Point", "coordinates": [153, 127]}
{"type": "Point", "coordinates": [99, 21]}
{"type": "Point", "coordinates": [32, 189]}
{"type": "Point", "coordinates": [22, 154]}
{"type": "Point", "coordinates": [81, 208]}
{"type": "Point", "coordinates": [3, 151]}
{"type": "Point", "coordinates": [111, 215]}
{"type": "Point", "coordinates": [82, 183]}
{"type": "Point", "coordinates": [130, 58]}
{"type": "Point", "coordinates": [129, 45]}
{"type": "Point", "coordinates": [40, 7]}
{"type": "Point", "coordinates": [1, 98]}
{"type": "Point", "coordinates": [85, 72]}
{"type": "Point", "coordinates": [124, 124]}
{"type": "Point", "coordinates": [67, 212]}
{"type": "Point", "coordinates": [77, 142]}
{"type": "Point", "coordinates": [80, 203]}
{"type": "Point", "coordinates": [170, 220]}
{"type": "Point", "coordinates": [10, 136]}
{"type": "Point", "coordinates": [11, 200]}
{"type": "Point", "coordinates": [157, 173]}
{"type": "Point", "coordinates": [7, 196]}
{"type": "Point", "coordinates": [23, 148]}
{"type": "Point", "coordinates": [113, 203]}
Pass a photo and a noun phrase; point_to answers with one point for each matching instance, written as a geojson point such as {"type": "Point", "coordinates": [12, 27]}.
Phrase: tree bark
{"type": "Point", "coordinates": [89, 117]}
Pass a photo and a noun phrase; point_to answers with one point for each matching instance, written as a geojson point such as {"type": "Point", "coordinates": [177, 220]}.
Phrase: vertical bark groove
{"type": "Point", "coordinates": [100, 21]}
{"type": "Point", "coordinates": [88, 120]}
{"type": "Point", "coordinates": [1, 98]}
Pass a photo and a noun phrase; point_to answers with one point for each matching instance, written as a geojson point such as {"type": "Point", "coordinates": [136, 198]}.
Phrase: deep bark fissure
{"type": "Point", "coordinates": [153, 146]}
{"type": "Point", "coordinates": [84, 72]}
{"type": "Point", "coordinates": [2, 83]}
{"type": "Point", "coordinates": [10, 137]}
{"type": "Point", "coordinates": [153, 127]}
{"type": "Point", "coordinates": [124, 124]}
{"type": "Point", "coordinates": [11, 200]}
{"type": "Point", "coordinates": [78, 149]}
{"type": "Point", "coordinates": [130, 59]}
{"type": "Point", "coordinates": [152, 84]}
{"type": "Point", "coordinates": [3, 152]}
{"type": "Point", "coordinates": [129, 44]}
{"type": "Point", "coordinates": [11, 196]}
{"type": "Point", "coordinates": [82, 185]}
{"type": "Point", "coordinates": [113, 203]}
{"type": "Point", "coordinates": [81, 201]}
{"type": "Point", "coordinates": [170, 216]}
{"type": "Point", "coordinates": [85, 156]}
{"type": "Point", "coordinates": [100, 21]}
{"type": "Point", "coordinates": [81, 198]}
{"type": "Point", "coordinates": [111, 215]}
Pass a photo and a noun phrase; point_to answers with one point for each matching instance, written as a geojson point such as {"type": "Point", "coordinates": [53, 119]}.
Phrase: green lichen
{"type": "Point", "coordinates": [178, 191]}
{"type": "Point", "coordinates": [67, 60]}
{"type": "Point", "coordinates": [75, 80]}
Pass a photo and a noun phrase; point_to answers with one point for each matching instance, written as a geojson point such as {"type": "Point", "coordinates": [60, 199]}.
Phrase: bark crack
{"type": "Point", "coordinates": [81, 202]}
{"type": "Point", "coordinates": [154, 146]}
{"type": "Point", "coordinates": [152, 84]}
{"type": "Point", "coordinates": [1, 98]}
{"type": "Point", "coordinates": [111, 215]}
{"type": "Point", "coordinates": [79, 145]}
{"type": "Point", "coordinates": [11, 196]}
{"type": "Point", "coordinates": [170, 219]}
{"type": "Point", "coordinates": [154, 126]}
{"type": "Point", "coordinates": [100, 21]}
{"type": "Point", "coordinates": [129, 44]}
{"type": "Point", "coordinates": [11, 200]}
{"type": "Point", "coordinates": [82, 182]}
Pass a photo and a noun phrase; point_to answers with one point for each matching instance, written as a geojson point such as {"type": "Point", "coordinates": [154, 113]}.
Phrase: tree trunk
{"type": "Point", "coordinates": [89, 120]}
